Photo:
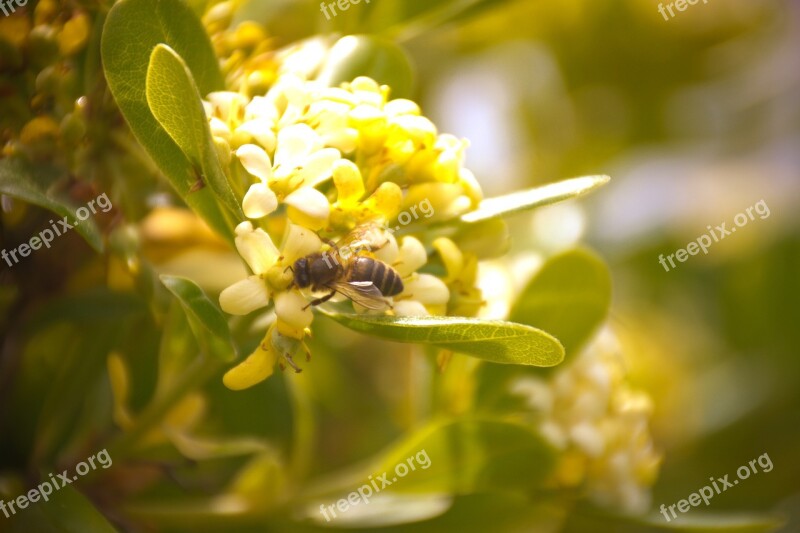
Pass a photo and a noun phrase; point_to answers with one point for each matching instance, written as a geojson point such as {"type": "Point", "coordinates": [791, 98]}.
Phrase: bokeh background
{"type": "Point", "coordinates": [695, 119]}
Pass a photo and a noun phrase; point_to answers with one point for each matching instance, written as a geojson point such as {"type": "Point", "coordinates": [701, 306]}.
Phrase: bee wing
{"type": "Point", "coordinates": [363, 237]}
{"type": "Point", "coordinates": [364, 293]}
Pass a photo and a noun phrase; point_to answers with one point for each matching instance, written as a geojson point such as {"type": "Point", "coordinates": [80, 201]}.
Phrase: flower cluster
{"type": "Point", "coordinates": [599, 425]}
{"type": "Point", "coordinates": [43, 110]}
{"type": "Point", "coordinates": [314, 163]}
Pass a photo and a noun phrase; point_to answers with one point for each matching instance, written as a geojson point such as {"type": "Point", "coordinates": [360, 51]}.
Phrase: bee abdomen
{"type": "Point", "coordinates": [392, 284]}
{"type": "Point", "coordinates": [384, 277]}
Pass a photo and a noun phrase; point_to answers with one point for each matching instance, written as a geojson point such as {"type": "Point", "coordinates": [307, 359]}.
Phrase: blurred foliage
{"type": "Point", "coordinates": [119, 343]}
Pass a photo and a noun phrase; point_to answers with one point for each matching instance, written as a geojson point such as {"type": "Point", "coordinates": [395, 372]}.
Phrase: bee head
{"type": "Point", "coordinates": [301, 275]}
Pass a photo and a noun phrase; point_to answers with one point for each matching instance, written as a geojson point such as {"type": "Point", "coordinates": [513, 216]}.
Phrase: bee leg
{"type": "Point", "coordinates": [320, 300]}
{"type": "Point", "coordinates": [291, 363]}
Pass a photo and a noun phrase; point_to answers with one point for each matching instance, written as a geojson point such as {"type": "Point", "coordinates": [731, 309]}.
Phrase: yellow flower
{"type": "Point", "coordinates": [381, 156]}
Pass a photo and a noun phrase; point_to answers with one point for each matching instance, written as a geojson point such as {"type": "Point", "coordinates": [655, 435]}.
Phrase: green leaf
{"type": "Point", "coordinates": [175, 102]}
{"type": "Point", "coordinates": [66, 511]}
{"type": "Point", "coordinates": [470, 455]}
{"type": "Point", "coordinates": [132, 29]}
{"type": "Point", "coordinates": [206, 320]}
{"type": "Point", "coordinates": [491, 340]}
{"type": "Point", "coordinates": [32, 183]}
{"type": "Point", "coordinates": [366, 55]}
{"type": "Point", "coordinates": [523, 200]}
{"type": "Point", "coordinates": [692, 522]}
{"type": "Point", "coordinates": [455, 456]}
{"type": "Point", "coordinates": [714, 523]}
{"type": "Point", "coordinates": [569, 298]}
{"type": "Point", "coordinates": [405, 20]}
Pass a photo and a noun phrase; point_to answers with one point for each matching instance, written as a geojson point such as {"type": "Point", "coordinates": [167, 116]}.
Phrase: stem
{"type": "Point", "coordinates": [303, 426]}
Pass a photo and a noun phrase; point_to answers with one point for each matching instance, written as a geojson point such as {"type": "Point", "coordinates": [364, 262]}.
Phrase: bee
{"type": "Point", "coordinates": [366, 281]}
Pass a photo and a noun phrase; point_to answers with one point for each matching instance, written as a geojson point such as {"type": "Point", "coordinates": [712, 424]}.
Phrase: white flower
{"type": "Point", "coordinates": [587, 409]}
{"type": "Point", "coordinates": [260, 254]}
{"type": "Point", "coordinates": [255, 291]}
{"type": "Point", "coordinates": [300, 163]}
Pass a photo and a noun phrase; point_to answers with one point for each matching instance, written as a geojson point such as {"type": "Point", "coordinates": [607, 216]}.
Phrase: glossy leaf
{"type": "Point", "coordinates": [132, 29]}
{"type": "Point", "coordinates": [538, 196]}
{"type": "Point", "coordinates": [491, 340]}
{"type": "Point", "coordinates": [366, 55]}
{"type": "Point", "coordinates": [569, 297]}
{"type": "Point", "coordinates": [175, 102]}
{"type": "Point", "coordinates": [206, 320]}
{"type": "Point", "coordinates": [31, 183]}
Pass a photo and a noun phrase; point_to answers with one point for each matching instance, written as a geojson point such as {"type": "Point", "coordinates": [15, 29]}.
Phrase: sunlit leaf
{"type": "Point", "coordinates": [132, 29]}
{"type": "Point", "coordinates": [545, 195]}
{"type": "Point", "coordinates": [206, 320]}
{"type": "Point", "coordinates": [366, 55]}
{"type": "Point", "coordinates": [31, 183]}
{"type": "Point", "coordinates": [175, 102]}
{"type": "Point", "coordinates": [569, 297]}
{"type": "Point", "coordinates": [491, 340]}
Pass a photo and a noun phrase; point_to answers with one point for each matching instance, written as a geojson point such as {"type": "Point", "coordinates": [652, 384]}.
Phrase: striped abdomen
{"type": "Point", "coordinates": [380, 274]}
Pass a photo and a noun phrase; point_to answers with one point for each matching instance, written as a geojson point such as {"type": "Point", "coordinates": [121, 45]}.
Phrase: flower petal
{"type": "Point", "coordinates": [427, 289]}
{"type": "Point", "coordinates": [259, 201]}
{"type": "Point", "coordinates": [255, 247]}
{"type": "Point", "coordinates": [451, 256]}
{"type": "Point", "coordinates": [255, 160]}
{"type": "Point", "coordinates": [412, 256]}
{"type": "Point", "coordinates": [295, 143]}
{"type": "Point", "coordinates": [226, 105]}
{"type": "Point", "coordinates": [410, 308]}
{"type": "Point", "coordinates": [261, 108]}
{"type": "Point", "coordinates": [386, 200]}
{"type": "Point", "coordinates": [245, 296]}
{"type": "Point", "coordinates": [299, 242]}
{"type": "Point", "coordinates": [293, 309]}
{"type": "Point", "coordinates": [256, 368]}
{"type": "Point", "coordinates": [348, 181]}
{"type": "Point", "coordinates": [401, 106]}
{"type": "Point", "coordinates": [308, 207]}
{"type": "Point", "coordinates": [385, 247]}
{"type": "Point", "coordinates": [319, 166]}
{"type": "Point", "coordinates": [261, 130]}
